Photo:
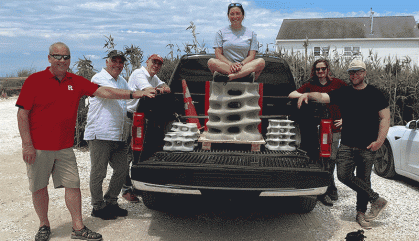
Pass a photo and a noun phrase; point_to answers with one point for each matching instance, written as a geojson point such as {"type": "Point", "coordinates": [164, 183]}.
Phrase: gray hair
{"type": "Point", "coordinates": [60, 44]}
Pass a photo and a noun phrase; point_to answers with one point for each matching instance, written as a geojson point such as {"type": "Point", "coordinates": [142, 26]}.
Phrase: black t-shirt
{"type": "Point", "coordinates": [359, 109]}
{"type": "Point", "coordinates": [315, 86]}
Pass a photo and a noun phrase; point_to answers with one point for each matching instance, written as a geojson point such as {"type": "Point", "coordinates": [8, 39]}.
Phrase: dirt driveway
{"type": "Point", "coordinates": [196, 219]}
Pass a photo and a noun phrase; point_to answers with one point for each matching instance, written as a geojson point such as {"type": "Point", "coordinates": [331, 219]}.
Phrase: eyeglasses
{"type": "Point", "coordinates": [322, 68]}
{"type": "Point", "coordinates": [234, 5]}
{"type": "Point", "coordinates": [357, 72]}
{"type": "Point", "coordinates": [59, 57]}
{"type": "Point", "coordinates": [155, 61]}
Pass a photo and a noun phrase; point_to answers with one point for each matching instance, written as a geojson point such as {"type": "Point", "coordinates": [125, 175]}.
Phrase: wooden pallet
{"type": "Point", "coordinates": [206, 143]}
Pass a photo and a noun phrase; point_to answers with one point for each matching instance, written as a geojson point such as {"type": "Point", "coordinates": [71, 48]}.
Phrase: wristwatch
{"type": "Point", "coordinates": [131, 95]}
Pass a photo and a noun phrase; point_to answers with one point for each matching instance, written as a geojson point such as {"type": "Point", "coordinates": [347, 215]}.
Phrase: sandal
{"type": "Point", "coordinates": [44, 233]}
{"type": "Point", "coordinates": [85, 234]}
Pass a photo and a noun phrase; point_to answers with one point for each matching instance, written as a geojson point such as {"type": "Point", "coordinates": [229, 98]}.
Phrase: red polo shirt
{"type": "Point", "coordinates": [315, 86]}
{"type": "Point", "coordinates": [53, 107]}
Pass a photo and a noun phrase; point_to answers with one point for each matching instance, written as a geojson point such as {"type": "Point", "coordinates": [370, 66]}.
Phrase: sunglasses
{"type": "Point", "coordinates": [356, 72]}
{"type": "Point", "coordinates": [155, 61]}
{"type": "Point", "coordinates": [59, 57]}
{"type": "Point", "coordinates": [322, 68]}
{"type": "Point", "coordinates": [234, 5]}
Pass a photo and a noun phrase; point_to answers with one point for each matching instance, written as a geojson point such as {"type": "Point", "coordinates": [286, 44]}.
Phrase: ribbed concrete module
{"type": "Point", "coordinates": [233, 112]}
{"type": "Point", "coordinates": [280, 135]}
{"type": "Point", "coordinates": [181, 137]}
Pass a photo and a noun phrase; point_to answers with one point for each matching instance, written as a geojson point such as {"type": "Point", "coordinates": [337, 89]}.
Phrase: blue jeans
{"type": "Point", "coordinates": [349, 158]}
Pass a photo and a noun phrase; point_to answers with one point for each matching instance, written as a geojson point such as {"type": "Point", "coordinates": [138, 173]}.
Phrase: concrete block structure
{"type": "Point", "coordinates": [280, 135]}
{"type": "Point", "coordinates": [233, 112]}
{"type": "Point", "coordinates": [181, 137]}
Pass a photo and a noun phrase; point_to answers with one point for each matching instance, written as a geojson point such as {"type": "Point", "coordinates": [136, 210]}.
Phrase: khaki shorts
{"type": "Point", "coordinates": [61, 164]}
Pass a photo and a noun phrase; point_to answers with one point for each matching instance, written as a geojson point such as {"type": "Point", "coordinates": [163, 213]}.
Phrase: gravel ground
{"type": "Point", "coordinates": [400, 221]}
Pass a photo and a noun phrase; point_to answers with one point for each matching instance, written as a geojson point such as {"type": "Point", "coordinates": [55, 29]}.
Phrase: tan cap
{"type": "Point", "coordinates": [356, 65]}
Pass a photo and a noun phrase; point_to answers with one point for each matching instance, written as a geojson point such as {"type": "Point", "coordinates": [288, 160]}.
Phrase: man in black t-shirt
{"type": "Point", "coordinates": [366, 114]}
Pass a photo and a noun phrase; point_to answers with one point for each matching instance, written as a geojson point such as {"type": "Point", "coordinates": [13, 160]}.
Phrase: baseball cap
{"type": "Point", "coordinates": [116, 53]}
{"type": "Point", "coordinates": [356, 65]}
{"type": "Point", "coordinates": [156, 57]}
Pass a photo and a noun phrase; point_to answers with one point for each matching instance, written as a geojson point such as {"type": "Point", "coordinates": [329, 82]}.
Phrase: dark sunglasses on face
{"type": "Point", "coordinates": [355, 72]}
{"type": "Point", "coordinates": [59, 57]}
{"type": "Point", "coordinates": [234, 5]}
{"type": "Point", "coordinates": [156, 62]}
{"type": "Point", "coordinates": [322, 68]}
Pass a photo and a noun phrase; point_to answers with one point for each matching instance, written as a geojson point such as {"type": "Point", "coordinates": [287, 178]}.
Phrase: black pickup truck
{"type": "Point", "coordinates": [228, 170]}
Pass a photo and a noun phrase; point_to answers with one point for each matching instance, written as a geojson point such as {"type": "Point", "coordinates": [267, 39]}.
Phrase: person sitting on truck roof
{"type": "Point", "coordinates": [235, 50]}
{"type": "Point", "coordinates": [321, 81]}
{"type": "Point", "coordinates": [145, 79]}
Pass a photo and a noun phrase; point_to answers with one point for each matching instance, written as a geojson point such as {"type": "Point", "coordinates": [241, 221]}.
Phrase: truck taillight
{"type": "Point", "coordinates": [325, 138]}
{"type": "Point", "coordinates": [137, 139]}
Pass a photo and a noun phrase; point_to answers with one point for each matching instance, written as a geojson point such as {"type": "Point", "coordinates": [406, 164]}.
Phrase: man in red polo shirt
{"type": "Point", "coordinates": [47, 116]}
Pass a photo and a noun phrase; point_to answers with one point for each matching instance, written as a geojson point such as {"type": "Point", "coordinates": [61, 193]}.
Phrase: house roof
{"type": "Point", "coordinates": [340, 28]}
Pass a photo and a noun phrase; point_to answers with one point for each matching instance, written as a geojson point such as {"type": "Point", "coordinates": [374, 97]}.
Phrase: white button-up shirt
{"type": "Point", "coordinates": [105, 118]}
{"type": "Point", "coordinates": [139, 80]}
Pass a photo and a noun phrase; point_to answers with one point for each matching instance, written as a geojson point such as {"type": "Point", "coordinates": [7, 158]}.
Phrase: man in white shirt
{"type": "Point", "coordinates": [145, 79]}
{"type": "Point", "coordinates": [104, 133]}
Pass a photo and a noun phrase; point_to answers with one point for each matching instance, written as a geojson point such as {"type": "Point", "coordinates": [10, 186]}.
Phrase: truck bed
{"type": "Point", "coordinates": [227, 169]}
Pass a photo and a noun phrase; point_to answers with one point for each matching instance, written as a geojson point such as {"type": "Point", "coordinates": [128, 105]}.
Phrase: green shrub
{"type": "Point", "coordinates": [11, 86]}
{"type": "Point", "coordinates": [84, 68]}
{"type": "Point", "coordinates": [167, 69]}
{"type": "Point", "coordinates": [396, 78]}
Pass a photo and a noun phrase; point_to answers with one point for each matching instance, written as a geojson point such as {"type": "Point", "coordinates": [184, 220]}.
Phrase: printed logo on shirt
{"type": "Point", "coordinates": [70, 87]}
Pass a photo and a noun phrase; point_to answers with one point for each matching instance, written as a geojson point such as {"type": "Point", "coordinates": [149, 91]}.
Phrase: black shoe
{"type": "Point", "coordinates": [43, 234]}
{"type": "Point", "coordinates": [334, 195]}
{"type": "Point", "coordinates": [103, 213]}
{"type": "Point", "coordinates": [218, 77]}
{"type": "Point", "coordinates": [249, 79]}
{"type": "Point", "coordinates": [117, 211]}
{"type": "Point", "coordinates": [325, 199]}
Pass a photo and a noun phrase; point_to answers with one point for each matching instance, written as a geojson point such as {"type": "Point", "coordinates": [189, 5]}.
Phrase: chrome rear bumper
{"type": "Point", "coordinates": [180, 189]}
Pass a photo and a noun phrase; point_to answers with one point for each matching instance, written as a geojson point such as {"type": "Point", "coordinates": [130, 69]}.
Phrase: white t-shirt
{"type": "Point", "coordinates": [236, 44]}
{"type": "Point", "coordinates": [139, 80]}
{"type": "Point", "coordinates": [105, 118]}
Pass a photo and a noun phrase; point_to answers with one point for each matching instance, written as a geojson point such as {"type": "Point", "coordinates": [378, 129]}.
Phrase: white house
{"type": "Point", "coordinates": [396, 36]}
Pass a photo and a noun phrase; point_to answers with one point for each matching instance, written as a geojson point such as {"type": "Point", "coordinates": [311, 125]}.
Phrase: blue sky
{"type": "Point", "coordinates": [29, 27]}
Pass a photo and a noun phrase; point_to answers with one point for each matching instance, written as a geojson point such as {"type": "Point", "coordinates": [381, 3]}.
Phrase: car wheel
{"type": "Point", "coordinates": [305, 204]}
{"type": "Point", "coordinates": [153, 200]}
{"type": "Point", "coordinates": [384, 163]}
{"type": "Point", "coordinates": [302, 204]}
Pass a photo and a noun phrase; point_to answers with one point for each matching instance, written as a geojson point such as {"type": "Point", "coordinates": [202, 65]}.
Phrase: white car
{"type": "Point", "coordinates": [400, 152]}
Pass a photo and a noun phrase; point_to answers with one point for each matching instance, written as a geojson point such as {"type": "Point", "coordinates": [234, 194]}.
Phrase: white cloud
{"type": "Point", "coordinates": [33, 25]}
{"type": "Point", "coordinates": [92, 57]}
{"type": "Point", "coordinates": [99, 6]}
{"type": "Point", "coordinates": [8, 32]}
